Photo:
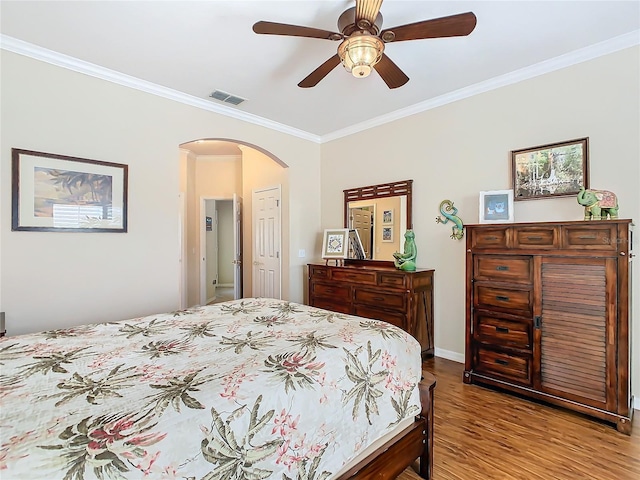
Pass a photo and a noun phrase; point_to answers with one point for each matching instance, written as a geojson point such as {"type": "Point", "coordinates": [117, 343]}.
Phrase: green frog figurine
{"type": "Point", "coordinates": [407, 261]}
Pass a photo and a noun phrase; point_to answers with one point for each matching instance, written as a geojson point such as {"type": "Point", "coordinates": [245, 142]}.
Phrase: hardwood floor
{"type": "Point", "coordinates": [485, 434]}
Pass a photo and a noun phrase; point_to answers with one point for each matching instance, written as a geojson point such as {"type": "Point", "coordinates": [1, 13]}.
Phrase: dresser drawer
{"type": "Point", "coordinates": [353, 276]}
{"type": "Point", "coordinates": [393, 280]}
{"type": "Point", "coordinates": [332, 305]}
{"type": "Point", "coordinates": [505, 365]}
{"type": "Point", "coordinates": [337, 291]}
{"type": "Point", "coordinates": [394, 318]}
{"type": "Point", "coordinates": [318, 272]}
{"type": "Point", "coordinates": [489, 237]}
{"type": "Point", "coordinates": [591, 236]}
{"type": "Point", "coordinates": [536, 237]}
{"type": "Point", "coordinates": [503, 298]}
{"type": "Point", "coordinates": [376, 298]}
{"type": "Point", "coordinates": [502, 332]}
{"type": "Point", "coordinates": [502, 268]}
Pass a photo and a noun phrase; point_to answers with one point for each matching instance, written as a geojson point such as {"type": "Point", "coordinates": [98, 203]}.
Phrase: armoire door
{"type": "Point", "coordinates": [576, 329]}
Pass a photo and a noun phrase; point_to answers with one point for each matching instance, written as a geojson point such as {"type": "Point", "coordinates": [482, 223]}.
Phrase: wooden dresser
{"type": "Point", "coordinates": [547, 313]}
{"type": "Point", "coordinates": [375, 290]}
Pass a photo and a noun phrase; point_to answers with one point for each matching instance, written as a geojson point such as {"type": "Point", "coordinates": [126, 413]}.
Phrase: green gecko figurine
{"type": "Point", "coordinates": [458, 228]}
{"type": "Point", "coordinates": [407, 261]}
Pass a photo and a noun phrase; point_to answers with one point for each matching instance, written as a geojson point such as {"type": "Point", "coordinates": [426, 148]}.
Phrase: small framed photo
{"type": "Point", "coordinates": [57, 193]}
{"type": "Point", "coordinates": [554, 170]}
{"type": "Point", "coordinates": [496, 206]}
{"type": "Point", "coordinates": [335, 243]}
{"type": "Point", "coordinates": [387, 217]}
{"type": "Point", "coordinates": [387, 234]}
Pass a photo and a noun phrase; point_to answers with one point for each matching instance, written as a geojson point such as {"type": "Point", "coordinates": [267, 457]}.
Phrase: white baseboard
{"type": "Point", "coordinates": [449, 355]}
{"type": "Point", "coordinates": [636, 404]}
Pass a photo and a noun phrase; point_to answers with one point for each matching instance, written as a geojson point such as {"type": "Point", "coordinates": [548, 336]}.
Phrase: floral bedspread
{"type": "Point", "coordinates": [249, 389]}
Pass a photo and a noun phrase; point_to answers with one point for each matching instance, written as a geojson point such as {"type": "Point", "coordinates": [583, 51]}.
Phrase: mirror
{"type": "Point", "coordinates": [381, 214]}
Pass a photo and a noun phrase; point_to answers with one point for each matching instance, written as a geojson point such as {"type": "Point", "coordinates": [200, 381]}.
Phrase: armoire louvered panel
{"type": "Point", "coordinates": [574, 341]}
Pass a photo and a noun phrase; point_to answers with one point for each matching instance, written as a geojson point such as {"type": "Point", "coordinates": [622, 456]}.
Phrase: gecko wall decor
{"type": "Point", "coordinates": [450, 215]}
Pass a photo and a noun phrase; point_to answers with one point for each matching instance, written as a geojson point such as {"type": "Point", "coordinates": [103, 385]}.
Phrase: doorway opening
{"type": "Point", "coordinates": [216, 173]}
{"type": "Point", "coordinates": [218, 253]}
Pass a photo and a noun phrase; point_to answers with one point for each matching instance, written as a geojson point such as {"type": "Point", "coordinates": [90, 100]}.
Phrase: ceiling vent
{"type": "Point", "coordinates": [227, 97]}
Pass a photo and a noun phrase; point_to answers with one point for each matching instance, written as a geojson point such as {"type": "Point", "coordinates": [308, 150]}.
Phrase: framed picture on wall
{"type": "Point", "coordinates": [387, 234]}
{"type": "Point", "coordinates": [58, 193]}
{"type": "Point", "coordinates": [335, 243]}
{"type": "Point", "coordinates": [496, 206]}
{"type": "Point", "coordinates": [553, 170]}
{"type": "Point", "coordinates": [387, 217]}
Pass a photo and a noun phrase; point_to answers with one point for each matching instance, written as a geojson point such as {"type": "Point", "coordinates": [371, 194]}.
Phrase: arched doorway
{"type": "Point", "coordinates": [219, 170]}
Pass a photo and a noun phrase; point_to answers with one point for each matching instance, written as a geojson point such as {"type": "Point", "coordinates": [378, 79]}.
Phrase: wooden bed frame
{"type": "Point", "coordinates": [415, 441]}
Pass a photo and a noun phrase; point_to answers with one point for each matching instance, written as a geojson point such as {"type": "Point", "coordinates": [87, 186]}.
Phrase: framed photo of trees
{"type": "Point", "coordinates": [554, 170]}
{"type": "Point", "coordinates": [57, 193]}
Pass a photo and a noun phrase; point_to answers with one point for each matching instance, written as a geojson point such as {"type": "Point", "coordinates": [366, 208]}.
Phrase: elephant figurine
{"type": "Point", "coordinates": [598, 204]}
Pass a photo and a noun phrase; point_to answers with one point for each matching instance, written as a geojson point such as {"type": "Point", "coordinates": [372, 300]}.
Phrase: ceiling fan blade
{"type": "Point", "coordinates": [319, 73]}
{"type": "Point", "coordinates": [390, 72]}
{"type": "Point", "coordinates": [452, 26]}
{"type": "Point", "coordinates": [272, 28]}
{"type": "Point", "coordinates": [367, 10]}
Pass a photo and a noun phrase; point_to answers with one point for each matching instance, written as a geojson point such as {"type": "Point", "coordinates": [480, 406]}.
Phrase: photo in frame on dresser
{"type": "Point", "coordinates": [496, 206]}
{"type": "Point", "coordinates": [335, 245]}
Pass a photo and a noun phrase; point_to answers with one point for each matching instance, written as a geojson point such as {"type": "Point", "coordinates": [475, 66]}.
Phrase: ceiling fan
{"type": "Point", "coordinates": [363, 40]}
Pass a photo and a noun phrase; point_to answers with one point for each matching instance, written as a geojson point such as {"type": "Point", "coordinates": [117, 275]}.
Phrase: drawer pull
{"type": "Point", "coordinates": [378, 299]}
{"type": "Point", "coordinates": [502, 268]}
{"type": "Point", "coordinates": [499, 361]}
{"type": "Point", "coordinates": [502, 298]}
{"type": "Point", "coordinates": [502, 329]}
{"type": "Point", "coordinates": [534, 237]}
{"type": "Point", "coordinates": [492, 237]}
{"type": "Point", "coordinates": [587, 237]}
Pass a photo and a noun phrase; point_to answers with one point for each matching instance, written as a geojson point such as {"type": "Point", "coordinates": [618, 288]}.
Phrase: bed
{"type": "Point", "coordinates": [247, 389]}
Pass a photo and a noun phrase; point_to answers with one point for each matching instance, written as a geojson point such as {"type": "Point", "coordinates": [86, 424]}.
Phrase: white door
{"type": "Point", "coordinates": [266, 243]}
{"type": "Point", "coordinates": [208, 250]}
{"type": "Point", "coordinates": [361, 221]}
{"type": "Point", "coordinates": [182, 240]}
{"type": "Point", "coordinates": [237, 247]}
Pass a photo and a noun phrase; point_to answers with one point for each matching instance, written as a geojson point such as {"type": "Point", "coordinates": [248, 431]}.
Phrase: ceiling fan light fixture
{"type": "Point", "coordinates": [359, 53]}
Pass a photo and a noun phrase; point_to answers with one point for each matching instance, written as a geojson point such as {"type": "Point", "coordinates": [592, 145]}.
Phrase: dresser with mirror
{"type": "Point", "coordinates": [373, 287]}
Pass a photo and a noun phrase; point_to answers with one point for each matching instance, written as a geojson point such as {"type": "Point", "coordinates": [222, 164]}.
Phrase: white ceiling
{"type": "Point", "coordinates": [195, 47]}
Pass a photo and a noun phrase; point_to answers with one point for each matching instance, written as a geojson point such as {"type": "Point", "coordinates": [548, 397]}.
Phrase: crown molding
{"type": "Point", "coordinates": [613, 45]}
{"type": "Point", "coordinates": [49, 56]}
{"type": "Point", "coordinates": [572, 58]}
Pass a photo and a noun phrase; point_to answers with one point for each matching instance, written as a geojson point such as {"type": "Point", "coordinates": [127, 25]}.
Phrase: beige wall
{"type": "Point", "coordinates": [455, 151]}
{"type": "Point", "coordinates": [52, 280]}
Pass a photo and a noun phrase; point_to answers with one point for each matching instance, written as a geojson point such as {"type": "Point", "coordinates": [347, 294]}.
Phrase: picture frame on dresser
{"type": "Point", "coordinates": [496, 206]}
{"type": "Point", "coordinates": [335, 243]}
{"type": "Point", "coordinates": [59, 193]}
{"type": "Point", "coordinates": [552, 170]}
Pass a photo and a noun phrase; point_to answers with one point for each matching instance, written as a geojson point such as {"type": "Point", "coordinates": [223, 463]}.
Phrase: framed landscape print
{"type": "Point", "coordinates": [554, 170]}
{"type": "Point", "coordinates": [57, 193]}
{"type": "Point", "coordinates": [496, 206]}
